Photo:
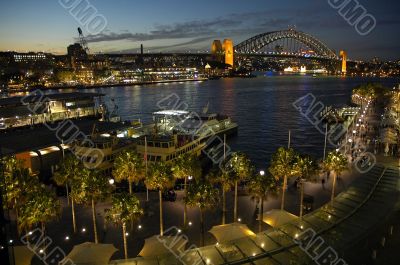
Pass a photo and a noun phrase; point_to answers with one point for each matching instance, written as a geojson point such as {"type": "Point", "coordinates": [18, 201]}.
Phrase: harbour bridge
{"type": "Point", "coordinates": [288, 43]}
{"type": "Point", "coordinates": [285, 43]}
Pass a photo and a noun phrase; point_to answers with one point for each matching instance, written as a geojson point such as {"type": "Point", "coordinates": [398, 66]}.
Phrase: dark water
{"type": "Point", "coordinates": [261, 106]}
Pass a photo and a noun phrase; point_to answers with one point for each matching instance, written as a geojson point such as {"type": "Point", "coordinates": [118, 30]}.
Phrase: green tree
{"type": "Point", "coordinates": [184, 167]}
{"type": "Point", "coordinates": [202, 194]}
{"type": "Point", "coordinates": [307, 171]}
{"type": "Point", "coordinates": [68, 172]}
{"type": "Point", "coordinates": [17, 184]}
{"type": "Point", "coordinates": [124, 207]}
{"type": "Point", "coordinates": [337, 163]}
{"type": "Point", "coordinates": [160, 177]}
{"type": "Point", "coordinates": [40, 207]}
{"type": "Point", "coordinates": [260, 186]}
{"type": "Point", "coordinates": [283, 166]}
{"type": "Point", "coordinates": [91, 187]}
{"type": "Point", "coordinates": [239, 168]}
{"type": "Point", "coordinates": [128, 166]}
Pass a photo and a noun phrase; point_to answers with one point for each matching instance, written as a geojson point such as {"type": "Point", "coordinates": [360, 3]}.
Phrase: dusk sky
{"type": "Point", "coordinates": [177, 25]}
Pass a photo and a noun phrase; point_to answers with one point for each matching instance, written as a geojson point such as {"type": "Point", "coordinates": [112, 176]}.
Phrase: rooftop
{"type": "Point", "coordinates": [15, 101]}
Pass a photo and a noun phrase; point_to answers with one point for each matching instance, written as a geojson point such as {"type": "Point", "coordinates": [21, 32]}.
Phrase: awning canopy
{"type": "Point", "coordinates": [89, 253]}
{"type": "Point", "coordinates": [278, 217]}
{"type": "Point", "coordinates": [229, 232]}
{"type": "Point", "coordinates": [23, 255]}
{"type": "Point", "coordinates": [159, 245]}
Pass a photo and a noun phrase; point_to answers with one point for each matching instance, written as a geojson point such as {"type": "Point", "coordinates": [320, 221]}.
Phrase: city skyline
{"type": "Point", "coordinates": [182, 26]}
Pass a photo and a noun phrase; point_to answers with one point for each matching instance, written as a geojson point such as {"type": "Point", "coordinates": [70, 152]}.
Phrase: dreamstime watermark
{"type": "Point", "coordinates": [42, 246]}
{"type": "Point", "coordinates": [314, 246]}
{"type": "Point", "coordinates": [65, 131]}
{"type": "Point", "coordinates": [85, 14]}
{"type": "Point", "coordinates": [313, 110]}
{"type": "Point", "coordinates": [219, 152]}
{"type": "Point", "coordinates": [355, 14]}
{"type": "Point", "coordinates": [190, 256]}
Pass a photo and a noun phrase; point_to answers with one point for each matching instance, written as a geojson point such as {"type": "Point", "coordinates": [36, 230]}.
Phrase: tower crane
{"type": "Point", "coordinates": [83, 41]}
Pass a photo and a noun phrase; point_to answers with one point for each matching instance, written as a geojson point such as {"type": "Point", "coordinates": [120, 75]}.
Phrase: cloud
{"type": "Point", "coordinates": [190, 29]}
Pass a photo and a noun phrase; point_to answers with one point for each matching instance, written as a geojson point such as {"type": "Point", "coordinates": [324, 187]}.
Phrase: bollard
{"type": "Point", "coordinates": [383, 241]}
{"type": "Point", "coordinates": [391, 230]}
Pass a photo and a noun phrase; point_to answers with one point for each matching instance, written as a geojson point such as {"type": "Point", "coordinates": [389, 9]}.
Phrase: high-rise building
{"type": "Point", "coordinates": [76, 55]}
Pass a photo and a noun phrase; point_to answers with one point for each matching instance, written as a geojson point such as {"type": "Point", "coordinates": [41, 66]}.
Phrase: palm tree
{"type": "Point", "coordinates": [69, 171]}
{"type": "Point", "coordinates": [125, 207]}
{"type": "Point", "coordinates": [337, 163]}
{"type": "Point", "coordinates": [90, 188]}
{"type": "Point", "coordinates": [41, 206]}
{"type": "Point", "coordinates": [225, 179]}
{"type": "Point", "coordinates": [239, 168]}
{"type": "Point", "coordinates": [307, 171]}
{"type": "Point", "coordinates": [128, 166]}
{"type": "Point", "coordinates": [201, 193]}
{"type": "Point", "coordinates": [283, 165]}
{"type": "Point", "coordinates": [185, 166]}
{"type": "Point", "coordinates": [261, 185]}
{"type": "Point", "coordinates": [160, 178]}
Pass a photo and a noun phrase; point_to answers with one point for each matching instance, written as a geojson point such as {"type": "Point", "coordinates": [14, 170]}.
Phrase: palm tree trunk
{"type": "Point", "coordinates": [223, 206]}
{"type": "Point", "coordinates": [261, 213]}
{"type": "Point", "coordinates": [130, 187]}
{"type": "Point", "coordinates": [185, 206]}
{"type": "Point", "coordinates": [333, 187]}
{"type": "Point", "coordinates": [73, 215]}
{"type": "Point", "coordinates": [124, 237]}
{"type": "Point", "coordinates": [283, 193]}
{"type": "Point", "coordinates": [235, 206]}
{"type": "Point", "coordinates": [66, 188]}
{"type": "Point", "coordinates": [94, 223]}
{"type": "Point", "coordinates": [161, 214]}
{"type": "Point", "coordinates": [201, 227]}
{"type": "Point", "coordinates": [301, 198]}
{"type": "Point", "coordinates": [16, 219]}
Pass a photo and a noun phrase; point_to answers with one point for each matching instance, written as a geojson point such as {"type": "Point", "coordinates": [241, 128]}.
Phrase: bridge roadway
{"type": "Point", "coordinates": [340, 225]}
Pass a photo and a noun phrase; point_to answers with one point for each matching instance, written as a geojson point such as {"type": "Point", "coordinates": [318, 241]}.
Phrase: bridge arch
{"type": "Point", "coordinates": [256, 43]}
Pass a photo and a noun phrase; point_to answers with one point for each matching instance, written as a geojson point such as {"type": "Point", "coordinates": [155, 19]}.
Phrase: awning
{"type": "Point", "coordinates": [278, 217]}
{"type": "Point", "coordinates": [90, 253]}
{"type": "Point", "coordinates": [23, 255]}
{"type": "Point", "coordinates": [229, 232]}
{"type": "Point", "coordinates": [159, 245]}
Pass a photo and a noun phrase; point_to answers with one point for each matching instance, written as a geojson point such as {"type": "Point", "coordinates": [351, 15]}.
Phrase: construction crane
{"type": "Point", "coordinates": [83, 41]}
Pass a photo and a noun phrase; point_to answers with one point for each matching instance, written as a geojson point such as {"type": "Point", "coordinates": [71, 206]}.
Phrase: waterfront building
{"type": "Point", "coordinates": [33, 110]}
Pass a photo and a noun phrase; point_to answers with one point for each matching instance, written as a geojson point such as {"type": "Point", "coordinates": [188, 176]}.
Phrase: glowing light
{"type": "Point", "coordinates": [262, 245]}
{"type": "Point", "coordinates": [139, 227]}
{"type": "Point", "coordinates": [190, 223]}
{"type": "Point", "coordinates": [83, 230]}
{"type": "Point", "coordinates": [262, 172]}
{"type": "Point", "coordinates": [239, 219]}
{"type": "Point", "coordinates": [67, 238]}
{"type": "Point", "coordinates": [111, 181]}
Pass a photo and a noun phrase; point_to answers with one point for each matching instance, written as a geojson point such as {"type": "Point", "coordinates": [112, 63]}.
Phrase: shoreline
{"type": "Point", "coordinates": [78, 87]}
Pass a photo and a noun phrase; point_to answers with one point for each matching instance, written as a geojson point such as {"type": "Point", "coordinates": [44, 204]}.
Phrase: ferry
{"type": "Point", "coordinates": [177, 132]}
